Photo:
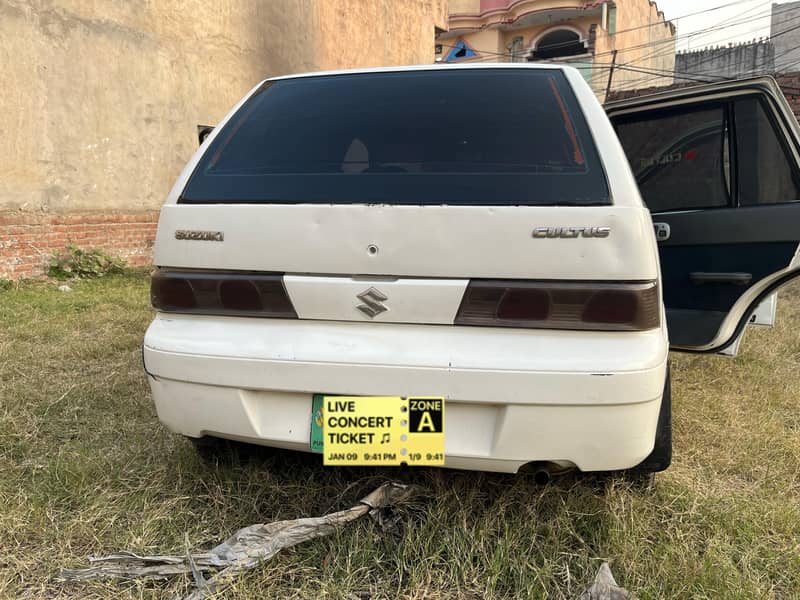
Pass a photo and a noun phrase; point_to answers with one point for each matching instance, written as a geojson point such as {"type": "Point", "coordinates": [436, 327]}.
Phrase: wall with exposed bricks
{"type": "Point", "coordinates": [28, 240]}
{"type": "Point", "coordinates": [790, 84]}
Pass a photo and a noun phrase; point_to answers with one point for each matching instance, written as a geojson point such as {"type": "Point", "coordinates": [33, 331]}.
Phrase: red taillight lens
{"type": "Point", "coordinates": [173, 294]}
{"type": "Point", "coordinates": [618, 306]}
{"type": "Point", "coordinates": [549, 305]}
{"type": "Point", "coordinates": [240, 294]}
{"type": "Point", "coordinates": [236, 294]}
{"type": "Point", "coordinates": [525, 304]}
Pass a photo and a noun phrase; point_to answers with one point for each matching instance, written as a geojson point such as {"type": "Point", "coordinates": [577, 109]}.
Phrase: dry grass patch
{"type": "Point", "coordinates": [85, 468]}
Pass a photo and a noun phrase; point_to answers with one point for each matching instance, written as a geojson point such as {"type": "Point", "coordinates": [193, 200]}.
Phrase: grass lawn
{"type": "Point", "coordinates": [86, 468]}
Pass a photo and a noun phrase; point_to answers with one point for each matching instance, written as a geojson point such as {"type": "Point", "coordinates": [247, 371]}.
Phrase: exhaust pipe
{"type": "Point", "coordinates": [541, 475]}
{"type": "Point", "coordinates": [544, 471]}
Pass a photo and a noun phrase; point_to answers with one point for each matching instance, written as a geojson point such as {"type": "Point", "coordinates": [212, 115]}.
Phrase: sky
{"type": "Point", "coordinates": [730, 20]}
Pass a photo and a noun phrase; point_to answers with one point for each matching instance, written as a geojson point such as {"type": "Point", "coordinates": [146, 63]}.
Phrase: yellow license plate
{"type": "Point", "coordinates": [378, 430]}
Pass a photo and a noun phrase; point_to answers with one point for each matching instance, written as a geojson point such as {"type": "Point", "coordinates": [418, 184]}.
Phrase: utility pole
{"type": "Point", "coordinates": [610, 75]}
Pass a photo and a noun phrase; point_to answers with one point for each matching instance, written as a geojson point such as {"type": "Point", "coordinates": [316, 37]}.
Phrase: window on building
{"type": "Point", "coordinates": [612, 19]}
{"type": "Point", "coordinates": [459, 51]}
{"type": "Point", "coordinates": [559, 43]}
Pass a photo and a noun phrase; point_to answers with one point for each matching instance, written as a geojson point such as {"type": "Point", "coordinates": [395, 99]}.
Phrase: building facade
{"type": "Point", "coordinates": [588, 34]}
{"type": "Point", "coordinates": [99, 100]}
{"type": "Point", "coordinates": [784, 33]}
{"type": "Point", "coordinates": [780, 53]}
{"type": "Point", "coordinates": [728, 62]}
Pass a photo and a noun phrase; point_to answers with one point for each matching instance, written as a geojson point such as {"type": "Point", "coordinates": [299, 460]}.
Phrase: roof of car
{"type": "Point", "coordinates": [432, 67]}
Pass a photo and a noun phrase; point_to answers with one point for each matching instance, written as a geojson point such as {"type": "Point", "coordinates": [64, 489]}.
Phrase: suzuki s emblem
{"type": "Point", "coordinates": [372, 300]}
{"type": "Point", "coordinates": [571, 232]}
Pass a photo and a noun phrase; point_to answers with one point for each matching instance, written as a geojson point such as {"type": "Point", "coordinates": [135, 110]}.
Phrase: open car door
{"type": "Point", "coordinates": [718, 166]}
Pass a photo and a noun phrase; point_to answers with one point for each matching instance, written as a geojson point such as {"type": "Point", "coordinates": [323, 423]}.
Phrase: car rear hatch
{"type": "Point", "coordinates": [471, 196]}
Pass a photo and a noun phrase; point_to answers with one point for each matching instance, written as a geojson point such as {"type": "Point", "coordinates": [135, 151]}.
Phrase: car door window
{"type": "Point", "coordinates": [765, 169]}
{"type": "Point", "coordinates": [728, 148]}
{"type": "Point", "coordinates": [680, 157]}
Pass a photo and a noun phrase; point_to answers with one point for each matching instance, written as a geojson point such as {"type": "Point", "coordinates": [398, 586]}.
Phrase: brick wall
{"type": "Point", "coordinates": [28, 240]}
{"type": "Point", "coordinates": [789, 82]}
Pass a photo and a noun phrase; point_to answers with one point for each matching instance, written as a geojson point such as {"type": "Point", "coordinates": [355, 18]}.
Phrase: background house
{"type": "Point", "coordinates": [584, 33]}
{"type": "Point", "coordinates": [99, 100]}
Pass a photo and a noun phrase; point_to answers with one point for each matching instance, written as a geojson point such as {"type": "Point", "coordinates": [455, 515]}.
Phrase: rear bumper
{"type": "Point", "coordinates": [513, 396]}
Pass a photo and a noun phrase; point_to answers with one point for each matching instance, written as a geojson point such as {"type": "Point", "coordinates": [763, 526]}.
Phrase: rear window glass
{"type": "Point", "coordinates": [482, 136]}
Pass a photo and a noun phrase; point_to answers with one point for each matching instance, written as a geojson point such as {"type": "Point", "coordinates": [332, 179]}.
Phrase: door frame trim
{"type": "Point", "coordinates": [768, 286]}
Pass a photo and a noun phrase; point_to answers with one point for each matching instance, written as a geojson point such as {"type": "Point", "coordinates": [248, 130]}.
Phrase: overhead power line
{"type": "Point", "coordinates": [729, 22]}
{"type": "Point", "coordinates": [653, 56]}
{"type": "Point", "coordinates": [656, 24]}
{"type": "Point", "coordinates": [627, 85]}
{"type": "Point", "coordinates": [668, 41]}
{"type": "Point", "coordinates": [724, 24]}
{"type": "Point", "coordinates": [655, 73]}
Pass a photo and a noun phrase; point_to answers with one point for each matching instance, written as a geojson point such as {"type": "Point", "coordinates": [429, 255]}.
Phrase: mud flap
{"type": "Point", "coordinates": [661, 456]}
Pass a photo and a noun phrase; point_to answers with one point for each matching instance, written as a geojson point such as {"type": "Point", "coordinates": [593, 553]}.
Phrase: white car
{"type": "Point", "coordinates": [475, 233]}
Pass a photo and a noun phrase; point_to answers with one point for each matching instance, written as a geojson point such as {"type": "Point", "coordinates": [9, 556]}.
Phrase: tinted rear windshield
{"type": "Point", "coordinates": [482, 136]}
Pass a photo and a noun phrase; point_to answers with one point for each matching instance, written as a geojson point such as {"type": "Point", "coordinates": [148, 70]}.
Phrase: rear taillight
{"type": "Point", "coordinates": [235, 294]}
{"type": "Point", "coordinates": [549, 305]}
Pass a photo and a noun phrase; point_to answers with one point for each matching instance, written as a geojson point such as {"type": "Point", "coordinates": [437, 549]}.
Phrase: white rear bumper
{"type": "Point", "coordinates": [513, 396]}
